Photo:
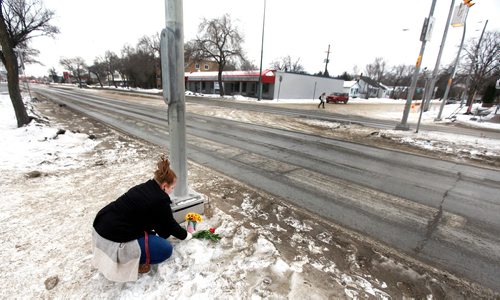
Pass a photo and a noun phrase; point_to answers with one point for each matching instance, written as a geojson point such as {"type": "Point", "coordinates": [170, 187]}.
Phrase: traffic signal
{"type": "Point", "coordinates": [468, 3]}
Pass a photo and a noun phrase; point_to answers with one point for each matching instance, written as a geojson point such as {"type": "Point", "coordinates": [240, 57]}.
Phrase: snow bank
{"type": "Point", "coordinates": [47, 219]}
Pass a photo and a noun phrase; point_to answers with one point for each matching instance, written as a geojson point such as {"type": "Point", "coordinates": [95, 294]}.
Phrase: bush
{"type": "Point", "coordinates": [489, 93]}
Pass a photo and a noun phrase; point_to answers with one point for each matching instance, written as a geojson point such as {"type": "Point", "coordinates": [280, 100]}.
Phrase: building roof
{"type": "Point", "coordinates": [349, 84]}
{"type": "Point", "coordinates": [373, 83]}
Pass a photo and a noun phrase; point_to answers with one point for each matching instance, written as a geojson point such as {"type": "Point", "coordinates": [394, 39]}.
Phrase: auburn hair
{"type": "Point", "coordinates": [163, 172]}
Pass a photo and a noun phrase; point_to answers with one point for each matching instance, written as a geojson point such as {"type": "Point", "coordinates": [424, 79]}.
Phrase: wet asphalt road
{"type": "Point", "coordinates": [442, 213]}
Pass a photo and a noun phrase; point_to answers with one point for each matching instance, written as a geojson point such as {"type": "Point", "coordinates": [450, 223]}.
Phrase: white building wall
{"type": "Point", "coordinates": [300, 86]}
{"type": "Point", "coordinates": [352, 88]}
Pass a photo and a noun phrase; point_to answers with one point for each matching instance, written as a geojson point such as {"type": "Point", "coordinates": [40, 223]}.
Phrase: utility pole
{"type": "Point", "coordinates": [457, 59]}
{"type": "Point", "coordinates": [262, 52]}
{"type": "Point", "coordinates": [428, 95]}
{"type": "Point", "coordinates": [327, 60]}
{"type": "Point", "coordinates": [424, 37]}
{"type": "Point", "coordinates": [172, 65]}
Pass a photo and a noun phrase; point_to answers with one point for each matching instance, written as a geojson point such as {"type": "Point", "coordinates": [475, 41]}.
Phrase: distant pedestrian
{"type": "Point", "coordinates": [322, 99]}
{"type": "Point", "coordinates": [498, 107]}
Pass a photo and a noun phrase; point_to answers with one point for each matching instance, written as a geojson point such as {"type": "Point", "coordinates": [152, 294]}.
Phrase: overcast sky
{"type": "Point", "coordinates": [357, 30]}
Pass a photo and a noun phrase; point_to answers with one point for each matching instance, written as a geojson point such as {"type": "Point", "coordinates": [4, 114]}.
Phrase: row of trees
{"type": "Point", "coordinates": [218, 40]}
{"type": "Point", "coordinates": [139, 65]}
{"type": "Point", "coordinates": [477, 72]}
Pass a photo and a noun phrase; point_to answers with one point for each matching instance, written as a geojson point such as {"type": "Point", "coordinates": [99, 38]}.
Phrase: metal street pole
{"type": "Point", "coordinates": [262, 52]}
{"type": "Point", "coordinates": [426, 87]}
{"type": "Point", "coordinates": [453, 72]}
{"type": "Point", "coordinates": [429, 93]}
{"type": "Point", "coordinates": [473, 64]}
{"type": "Point", "coordinates": [172, 66]}
{"type": "Point", "coordinates": [279, 87]}
{"type": "Point", "coordinates": [172, 59]}
{"type": "Point", "coordinates": [314, 91]}
{"type": "Point", "coordinates": [426, 29]}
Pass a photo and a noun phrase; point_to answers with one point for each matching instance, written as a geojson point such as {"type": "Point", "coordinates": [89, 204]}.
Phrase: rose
{"type": "Point", "coordinates": [207, 234]}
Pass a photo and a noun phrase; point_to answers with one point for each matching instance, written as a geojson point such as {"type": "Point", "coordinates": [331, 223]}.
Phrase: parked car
{"type": "Point", "coordinates": [451, 101]}
{"type": "Point", "coordinates": [337, 97]}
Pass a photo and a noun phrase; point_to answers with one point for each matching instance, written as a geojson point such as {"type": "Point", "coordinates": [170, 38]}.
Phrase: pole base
{"type": "Point", "coordinates": [437, 119]}
{"type": "Point", "coordinates": [193, 202]}
{"type": "Point", "coordinates": [401, 126]}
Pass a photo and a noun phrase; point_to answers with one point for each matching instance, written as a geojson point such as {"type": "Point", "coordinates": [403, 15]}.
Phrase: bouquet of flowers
{"type": "Point", "coordinates": [207, 234]}
{"type": "Point", "coordinates": [192, 219]}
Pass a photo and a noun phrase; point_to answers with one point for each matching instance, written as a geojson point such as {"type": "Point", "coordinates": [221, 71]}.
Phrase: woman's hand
{"type": "Point", "coordinates": [188, 236]}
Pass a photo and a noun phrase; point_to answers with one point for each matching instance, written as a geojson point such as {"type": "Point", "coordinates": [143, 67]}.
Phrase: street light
{"type": "Point", "coordinates": [461, 13]}
{"type": "Point", "coordinates": [262, 52]}
{"type": "Point", "coordinates": [470, 98]}
{"type": "Point", "coordinates": [428, 95]}
{"type": "Point", "coordinates": [172, 66]}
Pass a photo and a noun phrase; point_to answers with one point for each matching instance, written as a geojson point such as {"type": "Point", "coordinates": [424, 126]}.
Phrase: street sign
{"type": "Point", "coordinates": [459, 15]}
{"type": "Point", "coordinates": [426, 33]}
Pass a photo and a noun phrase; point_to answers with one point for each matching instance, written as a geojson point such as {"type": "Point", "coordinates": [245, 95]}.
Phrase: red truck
{"type": "Point", "coordinates": [337, 97]}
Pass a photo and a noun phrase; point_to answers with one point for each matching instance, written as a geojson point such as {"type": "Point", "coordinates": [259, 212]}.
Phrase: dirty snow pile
{"type": "Point", "coordinates": [53, 183]}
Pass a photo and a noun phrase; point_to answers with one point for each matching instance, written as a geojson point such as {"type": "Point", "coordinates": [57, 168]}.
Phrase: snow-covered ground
{"type": "Point", "coordinates": [460, 146]}
{"type": "Point", "coordinates": [428, 117]}
{"type": "Point", "coordinates": [484, 149]}
{"type": "Point", "coordinates": [54, 181]}
{"type": "Point", "coordinates": [449, 110]}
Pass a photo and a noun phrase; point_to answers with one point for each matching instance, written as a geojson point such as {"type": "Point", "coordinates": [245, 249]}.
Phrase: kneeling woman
{"type": "Point", "coordinates": [130, 233]}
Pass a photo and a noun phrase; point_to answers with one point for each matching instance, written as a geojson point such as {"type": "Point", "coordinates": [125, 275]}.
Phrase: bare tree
{"type": "Point", "coordinates": [247, 65]}
{"type": "Point", "coordinates": [53, 74]}
{"type": "Point", "coordinates": [191, 53]}
{"type": "Point", "coordinates": [220, 41]}
{"type": "Point", "coordinates": [482, 61]}
{"type": "Point", "coordinates": [20, 21]}
{"type": "Point", "coordinates": [150, 44]}
{"type": "Point", "coordinates": [288, 65]}
{"type": "Point", "coordinates": [138, 67]}
{"type": "Point", "coordinates": [345, 76]}
{"type": "Point", "coordinates": [76, 66]}
{"type": "Point", "coordinates": [124, 66]}
{"type": "Point", "coordinates": [400, 79]}
{"type": "Point", "coordinates": [376, 70]}
{"type": "Point", "coordinates": [99, 69]}
{"type": "Point", "coordinates": [112, 61]}
{"type": "Point", "coordinates": [355, 70]}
